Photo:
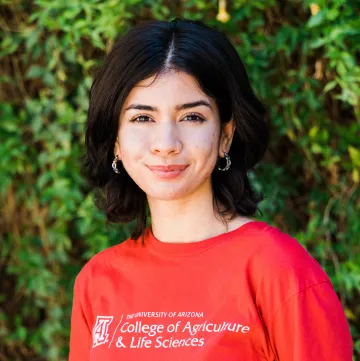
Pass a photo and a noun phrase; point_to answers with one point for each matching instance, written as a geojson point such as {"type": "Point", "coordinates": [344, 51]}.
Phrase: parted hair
{"type": "Point", "coordinates": [203, 52]}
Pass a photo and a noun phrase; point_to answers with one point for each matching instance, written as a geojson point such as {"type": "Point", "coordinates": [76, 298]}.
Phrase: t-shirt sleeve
{"type": "Point", "coordinates": [80, 333]}
{"type": "Point", "coordinates": [311, 325]}
{"type": "Point", "coordinates": [297, 303]}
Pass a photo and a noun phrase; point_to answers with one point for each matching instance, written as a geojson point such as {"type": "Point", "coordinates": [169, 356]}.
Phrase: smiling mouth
{"type": "Point", "coordinates": [167, 171]}
{"type": "Point", "coordinates": [167, 168]}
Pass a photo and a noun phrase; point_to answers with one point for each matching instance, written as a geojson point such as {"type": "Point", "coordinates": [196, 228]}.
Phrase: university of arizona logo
{"type": "Point", "coordinates": [100, 333]}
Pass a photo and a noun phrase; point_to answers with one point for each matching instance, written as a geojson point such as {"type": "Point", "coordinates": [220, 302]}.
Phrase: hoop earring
{"type": "Point", "coordinates": [114, 165]}
{"type": "Point", "coordinates": [228, 163]}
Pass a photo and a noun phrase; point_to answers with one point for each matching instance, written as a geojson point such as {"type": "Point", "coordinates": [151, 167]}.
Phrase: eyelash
{"type": "Point", "coordinates": [199, 120]}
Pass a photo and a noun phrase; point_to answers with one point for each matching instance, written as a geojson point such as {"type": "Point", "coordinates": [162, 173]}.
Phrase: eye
{"type": "Point", "coordinates": [193, 117]}
{"type": "Point", "coordinates": [141, 119]}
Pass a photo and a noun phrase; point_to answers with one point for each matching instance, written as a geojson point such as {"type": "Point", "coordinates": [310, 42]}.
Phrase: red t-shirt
{"type": "Point", "coordinates": [252, 294]}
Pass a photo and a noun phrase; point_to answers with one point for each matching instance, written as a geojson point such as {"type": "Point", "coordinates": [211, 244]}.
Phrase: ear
{"type": "Point", "coordinates": [226, 138]}
{"type": "Point", "coordinates": [117, 148]}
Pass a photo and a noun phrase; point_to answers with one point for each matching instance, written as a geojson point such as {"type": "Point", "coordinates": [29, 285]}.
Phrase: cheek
{"type": "Point", "coordinates": [205, 142]}
{"type": "Point", "coordinates": [132, 143]}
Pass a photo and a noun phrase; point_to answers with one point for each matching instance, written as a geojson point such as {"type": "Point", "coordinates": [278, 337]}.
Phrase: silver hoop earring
{"type": "Point", "coordinates": [114, 165]}
{"type": "Point", "coordinates": [228, 163]}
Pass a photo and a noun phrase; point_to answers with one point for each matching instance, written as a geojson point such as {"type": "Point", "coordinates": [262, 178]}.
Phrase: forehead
{"type": "Point", "coordinates": [172, 87]}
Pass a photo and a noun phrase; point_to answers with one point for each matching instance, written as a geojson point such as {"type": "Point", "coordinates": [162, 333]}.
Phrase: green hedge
{"type": "Point", "coordinates": [302, 59]}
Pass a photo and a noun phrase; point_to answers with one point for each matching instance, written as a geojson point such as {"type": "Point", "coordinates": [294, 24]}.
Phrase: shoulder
{"type": "Point", "coordinates": [278, 262]}
{"type": "Point", "coordinates": [104, 260]}
{"type": "Point", "coordinates": [280, 269]}
{"type": "Point", "coordinates": [274, 254]}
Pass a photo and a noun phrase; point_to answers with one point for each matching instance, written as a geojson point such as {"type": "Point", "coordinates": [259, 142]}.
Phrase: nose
{"type": "Point", "coordinates": [166, 139]}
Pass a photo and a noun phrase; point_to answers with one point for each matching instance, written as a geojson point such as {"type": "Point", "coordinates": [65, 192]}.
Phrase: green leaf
{"type": "Point", "coordinates": [35, 71]}
{"type": "Point", "coordinates": [329, 86]}
{"type": "Point", "coordinates": [316, 20]}
{"type": "Point", "coordinates": [354, 155]}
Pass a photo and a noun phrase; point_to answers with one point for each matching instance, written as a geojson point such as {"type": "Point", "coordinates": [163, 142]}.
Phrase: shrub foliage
{"type": "Point", "coordinates": [303, 60]}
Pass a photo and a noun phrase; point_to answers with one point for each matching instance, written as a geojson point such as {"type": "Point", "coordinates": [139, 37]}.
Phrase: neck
{"type": "Point", "coordinates": [185, 220]}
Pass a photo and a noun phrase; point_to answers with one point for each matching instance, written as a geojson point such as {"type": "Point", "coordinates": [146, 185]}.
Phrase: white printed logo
{"type": "Point", "coordinates": [100, 331]}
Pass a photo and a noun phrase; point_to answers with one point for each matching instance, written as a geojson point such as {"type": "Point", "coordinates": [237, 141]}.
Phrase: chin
{"type": "Point", "coordinates": [167, 191]}
{"type": "Point", "coordinates": [166, 196]}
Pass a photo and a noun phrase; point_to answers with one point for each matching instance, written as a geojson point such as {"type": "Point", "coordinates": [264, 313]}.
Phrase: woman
{"type": "Point", "coordinates": [173, 127]}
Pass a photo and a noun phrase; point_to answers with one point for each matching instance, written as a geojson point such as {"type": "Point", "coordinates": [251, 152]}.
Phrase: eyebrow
{"type": "Point", "coordinates": [178, 107]}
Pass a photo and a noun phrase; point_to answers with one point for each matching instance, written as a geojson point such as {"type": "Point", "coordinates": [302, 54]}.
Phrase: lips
{"type": "Point", "coordinates": [167, 172]}
{"type": "Point", "coordinates": [167, 168]}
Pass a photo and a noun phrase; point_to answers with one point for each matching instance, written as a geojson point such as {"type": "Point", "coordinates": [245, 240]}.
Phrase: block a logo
{"type": "Point", "coordinates": [100, 333]}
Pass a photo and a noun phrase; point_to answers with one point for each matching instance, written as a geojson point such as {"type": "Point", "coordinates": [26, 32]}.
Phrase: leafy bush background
{"type": "Point", "coordinates": [303, 60]}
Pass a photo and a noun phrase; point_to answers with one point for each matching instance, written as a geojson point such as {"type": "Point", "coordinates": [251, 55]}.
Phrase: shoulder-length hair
{"type": "Point", "coordinates": [204, 53]}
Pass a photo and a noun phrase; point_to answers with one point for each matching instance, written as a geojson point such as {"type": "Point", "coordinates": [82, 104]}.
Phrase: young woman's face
{"type": "Point", "coordinates": [169, 137]}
